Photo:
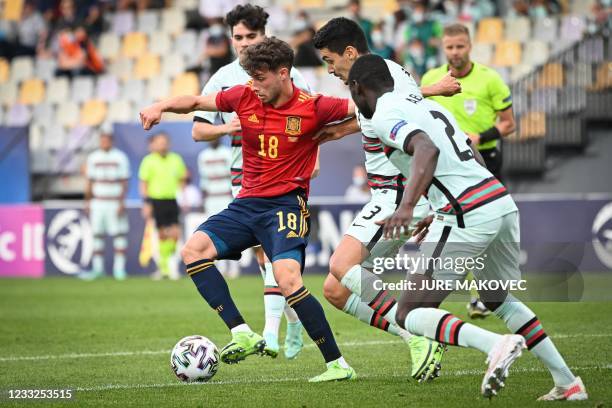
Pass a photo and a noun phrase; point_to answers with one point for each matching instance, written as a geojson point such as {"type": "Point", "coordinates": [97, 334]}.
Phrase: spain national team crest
{"type": "Point", "coordinates": [470, 106]}
{"type": "Point", "coordinates": [293, 126]}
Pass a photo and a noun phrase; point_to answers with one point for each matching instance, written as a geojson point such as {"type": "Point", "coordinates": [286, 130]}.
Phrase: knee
{"type": "Point", "coordinates": [333, 292]}
{"type": "Point", "coordinates": [189, 254]}
{"type": "Point", "coordinates": [338, 266]}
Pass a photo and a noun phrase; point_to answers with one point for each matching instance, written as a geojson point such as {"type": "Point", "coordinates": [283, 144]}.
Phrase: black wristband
{"type": "Point", "coordinates": [489, 135]}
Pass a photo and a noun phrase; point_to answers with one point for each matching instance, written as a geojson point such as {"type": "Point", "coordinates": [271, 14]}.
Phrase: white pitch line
{"type": "Point", "coordinates": [456, 373]}
{"type": "Point", "coordinates": [157, 352]}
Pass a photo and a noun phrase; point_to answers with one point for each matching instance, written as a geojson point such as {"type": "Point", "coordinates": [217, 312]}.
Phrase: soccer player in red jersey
{"type": "Point", "coordinates": [278, 123]}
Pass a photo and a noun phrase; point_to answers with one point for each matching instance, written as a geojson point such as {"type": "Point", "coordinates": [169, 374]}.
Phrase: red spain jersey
{"type": "Point", "coordinates": [278, 151]}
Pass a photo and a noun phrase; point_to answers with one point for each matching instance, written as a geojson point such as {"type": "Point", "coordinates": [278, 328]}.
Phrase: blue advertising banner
{"type": "Point", "coordinates": [14, 165]}
{"type": "Point", "coordinates": [555, 234]}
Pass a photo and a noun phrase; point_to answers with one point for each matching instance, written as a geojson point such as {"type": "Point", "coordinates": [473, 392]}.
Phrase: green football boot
{"type": "Point", "coordinates": [426, 356]}
{"type": "Point", "coordinates": [243, 344]}
{"type": "Point", "coordinates": [335, 372]}
{"type": "Point", "coordinates": [293, 340]}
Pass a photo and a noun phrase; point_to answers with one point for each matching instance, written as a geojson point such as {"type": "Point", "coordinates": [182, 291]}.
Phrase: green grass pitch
{"type": "Point", "coordinates": [110, 342]}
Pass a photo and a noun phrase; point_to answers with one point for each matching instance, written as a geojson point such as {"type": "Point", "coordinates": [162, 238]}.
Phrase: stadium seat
{"type": "Point", "coordinates": [107, 88]}
{"type": "Point", "coordinates": [186, 43]}
{"type": "Point", "coordinates": [93, 112]}
{"type": "Point", "coordinates": [35, 137]}
{"type": "Point", "coordinates": [68, 113]}
{"type": "Point", "coordinates": [185, 84]}
{"type": "Point", "coordinates": [582, 7]}
{"type": "Point", "coordinates": [122, 68]}
{"type": "Point", "coordinates": [507, 54]}
{"type": "Point", "coordinates": [32, 91]}
{"type": "Point", "coordinates": [133, 90]}
{"type": "Point", "coordinates": [120, 111]}
{"type": "Point", "coordinates": [159, 43]}
{"type": "Point", "coordinates": [572, 28]}
{"type": "Point", "coordinates": [535, 53]}
{"type": "Point", "coordinates": [147, 21]}
{"type": "Point", "coordinates": [318, 4]}
{"type": "Point", "coordinates": [482, 53]}
{"type": "Point", "coordinates": [158, 88]}
{"type": "Point", "coordinates": [545, 29]}
{"type": "Point", "coordinates": [520, 71]}
{"type": "Point", "coordinates": [532, 125]}
{"type": "Point", "coordinates": [603, 77]}
{"type": "Point", "coordinates": [122, 22]}
{"type": "Point", "coordinates": [147, 67]}
{"type": "Point", "coordinates": [45, 68]}
{"type": "Point", "coordinates": [591, 50]}
{"type": "Point", "coordinates": [5, 70]}
{"type": "Point", "coordinates": [57, 90]}
{"type": "Point", "coordinates": [82, 88]}
{"type": "Point", "coordinates": [134, 44]}
{"type": "Point", "coordinates": [55, 137]}
{"type": "Point", "coordinates": [520, 102]}
{"type": "Point", "coordinates": [12, 10]}
{"type": "Point", "coordinates": [44, 114]}
{"type": "Point", "coordinates": [8, 93]}
{"type": "Point", "coordinates": [579, 74]}
{"type": "Point", "coordinates": [173, 65]}
{"type": "Point", "coordinates": [110, 44]}
{"type": "Point", "coordinates": [186, 4]}
{"type": "Point", "coordinates": [490, 30]}
{"type": "Point", "coordinates": [22, 68]}
{"type": "Point", "coordinates": [544, 100]}
{"type": "Point", "coordinates": [518, 29]}
{"type": "Point", "coordinates": [18, 115]}
{"type": "Point", "coordinates": [173, 21]}
{"type": "Point", "coordinates": [551, 76]}
{"type": "Point", "coordinates": [572, 99]}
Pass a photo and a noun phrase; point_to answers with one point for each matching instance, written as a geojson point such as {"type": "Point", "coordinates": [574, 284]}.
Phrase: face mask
{"type": "Point", "coordinates": [377, 39]}
{"type": "Point", "coordinates": [417, 52]}
{"type": "Point", "coordinates": [539, 12]}
{"type": "Point", "coordinates": [418, 17]}
{"type": "Point", "coordinates": [215, 30]}
{"type": "Point", "coordinates": [359, 180]}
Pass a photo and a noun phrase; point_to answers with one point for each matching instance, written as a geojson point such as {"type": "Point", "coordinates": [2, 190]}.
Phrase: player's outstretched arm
{"type": "Point", "coordinates": [447, 86]}
{"type": "Point", "coordinates": [151, 115]}
{"type": "Point", "coordinates": [337, 131]}
{"type": "Point", "coordinates": [206, 132]}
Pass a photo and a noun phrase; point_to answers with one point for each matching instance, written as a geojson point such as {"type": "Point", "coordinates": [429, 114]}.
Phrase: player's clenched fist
{"type": "Point", "coordinates": [150, 116]}
{"type": "Point", "coordinates": [399, 220]}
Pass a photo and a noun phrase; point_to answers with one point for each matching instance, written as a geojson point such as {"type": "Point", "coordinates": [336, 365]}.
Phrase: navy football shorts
{"type": "Point", "coordinates": [281, 225]}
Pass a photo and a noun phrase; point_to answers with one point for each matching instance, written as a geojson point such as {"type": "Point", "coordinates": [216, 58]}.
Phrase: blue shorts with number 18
{"type": "Point", "coordinates": [280, 224]}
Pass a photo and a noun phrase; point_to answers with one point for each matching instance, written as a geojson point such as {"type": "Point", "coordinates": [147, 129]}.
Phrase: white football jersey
{"type": "Point", "coordinates": [381, 172]}
{"type": "Point", "coordinates": [107, 171]}
{"type": "Point", "coordinates": [460, 185]}
{"type": "Point", "coordinates": [227, 76]}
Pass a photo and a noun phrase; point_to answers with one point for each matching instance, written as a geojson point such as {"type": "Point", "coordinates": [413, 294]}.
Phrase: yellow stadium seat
{"type": "Point", "coordinates": [12, 10]}
{"type": "Point", "coordinates": [5, 70]}
{"type": "Point", "coordinates": [32, 91]}
{"type": "Point", "coordinates": [185, 84]}
{"type": "Point", "coordinates": [603, 77]}
{"type": "Point", "coordinates": [93, 112]}
{"type": "Point", "coordinates": [134, 44]}
{"type": "Point", "coordinates": [552, 76]}
{"type": "Point", "coordinates": [310, 4]}
{"type": "Point", "coordinates": [532, 125]}
{"type": "Point", "coordinates": [507, 54]}
{"type": "Point", "coordinates": [490, 30]}
{"type": "Point", "coordinates": [147, 66]}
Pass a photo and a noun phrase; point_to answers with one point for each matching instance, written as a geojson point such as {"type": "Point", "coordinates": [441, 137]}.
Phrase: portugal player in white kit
{"type": "Point", "coordinates": [341, 41]}
{"type": "Point", "coordinates": [474, 217]}
{"type": "Point", "coordinates": [248, 25]}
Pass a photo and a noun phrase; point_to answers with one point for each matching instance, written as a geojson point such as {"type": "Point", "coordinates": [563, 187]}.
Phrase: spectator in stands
{"type": "Point", "coordinates": [483, 109]}
{"type": "Point", "coordinates": [305, 53]}
{"type": "Point", "coordinates": [94, 21]}
{"type": "Point", "coordinates": [354, 9]}
{"type": "Point", "coordinates": [359, 190]}
{"type": "Point", "coordinates": [67, 17]}
{"type": "Point", "coordinates": [190, 197]}
{"type": "Point", "coordinates": [450, 11]}
{"type": "Point", "coordinates": [77, 55]}
{"type": "Point", "coordinates": [393, 21]}
{"type": "Point", "coordinates": [379, 45]}
{"type": "Point", "coordinates": [602, 13]}
{"type": "Point", "coordinates": [162, 174]}
{"type": "Point", "coordinates": [29, 34]}
{"type": "Point", "coordinates": [543, 8]}
{"type": "Point", "coordinates": [107, 173]}
{"type": "Point", "coordinates": [212, 10]}
{"type": "Point", "coordinates": [418, 40]}
{"type": "Point", "coordinates": [216, 53]}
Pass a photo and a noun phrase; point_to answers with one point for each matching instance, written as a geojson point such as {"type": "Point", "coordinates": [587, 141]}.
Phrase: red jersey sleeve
{"type": "Point", "coordinates": [330, 109]}
{"type": "Point", "coordinates": [229, 100]}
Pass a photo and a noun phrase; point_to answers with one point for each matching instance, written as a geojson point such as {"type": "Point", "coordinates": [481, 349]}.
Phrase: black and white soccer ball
{"type": "Point", "coordinates": [195, 359]}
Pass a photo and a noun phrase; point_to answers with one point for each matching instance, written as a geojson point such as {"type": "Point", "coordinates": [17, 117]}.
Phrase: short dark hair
{"type": "Point", "coordinates": [339, 33]}
{"type": "Point", "coordinates": [253, 17]}
{"type": "Point", "coordinates": [270, 54]}
{"type": "Point", "coordinates": [456, 29]}
{"type": "Point", "coordinates": [372, 72]}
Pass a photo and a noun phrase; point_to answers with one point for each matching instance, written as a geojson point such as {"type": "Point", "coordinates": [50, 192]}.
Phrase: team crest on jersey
{"type": "Point", "coordinates": [293, 126]}
{"type": "Point", "coordinates": [470, 106]}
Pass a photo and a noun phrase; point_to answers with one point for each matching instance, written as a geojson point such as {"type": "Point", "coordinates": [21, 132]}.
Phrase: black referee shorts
{"type": "Point", "coordinates": [165, 212]}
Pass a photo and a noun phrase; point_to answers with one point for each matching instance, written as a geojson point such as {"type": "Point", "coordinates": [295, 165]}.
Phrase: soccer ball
{"type": "Point", "coordinates": [194, 359]}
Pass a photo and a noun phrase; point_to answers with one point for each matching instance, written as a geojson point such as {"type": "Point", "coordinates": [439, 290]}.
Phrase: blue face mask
{"type": "Point", "coordinates": [538, 12]}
